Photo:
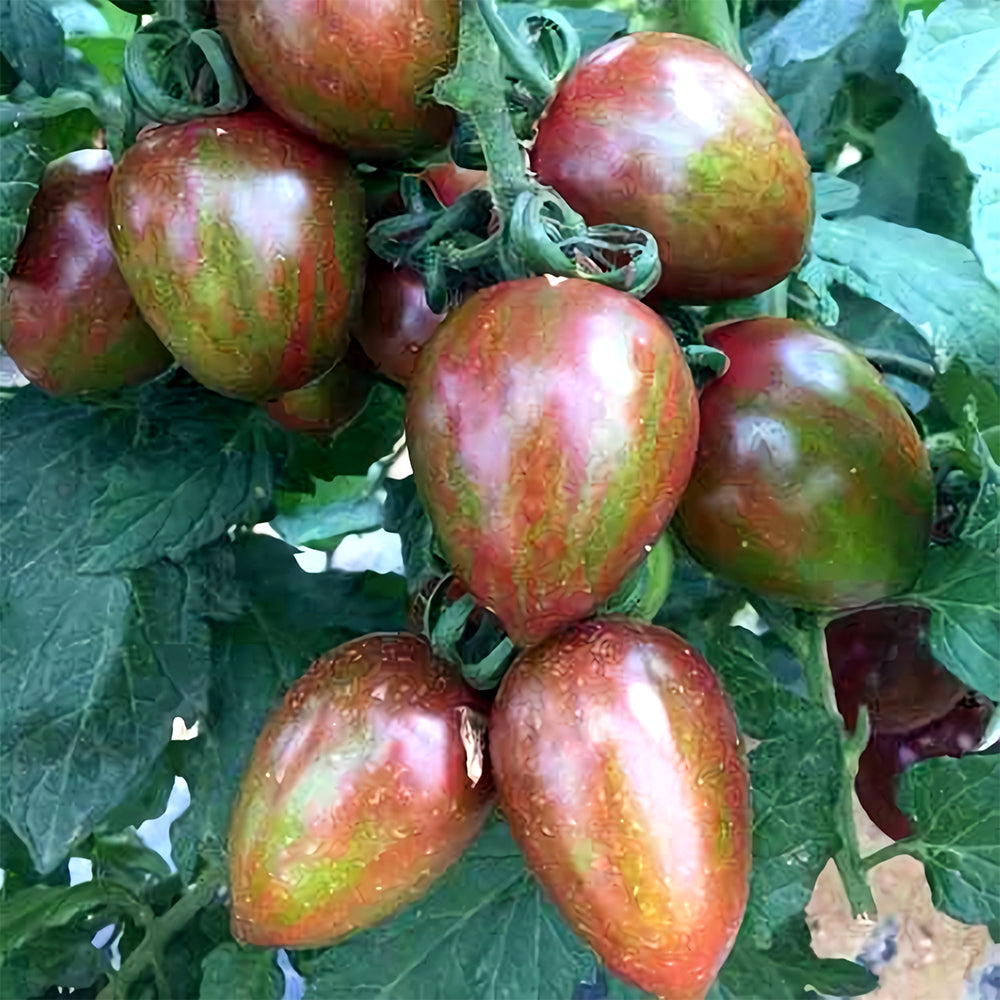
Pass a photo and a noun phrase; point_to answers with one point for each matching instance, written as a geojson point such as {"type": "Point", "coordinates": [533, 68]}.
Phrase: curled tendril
{"type": "Point", "coordinates": [174, 74]}
{"type": "Point", "coordinates": [556, 40]}
{"type": "Point", "coordinates": [553, 239]}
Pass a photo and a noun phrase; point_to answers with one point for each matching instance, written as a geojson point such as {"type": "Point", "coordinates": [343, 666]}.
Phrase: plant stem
{"type": "Point", "coordinates": [892, 850]}
{"type": "Point", "coordinates": [709, 20]}
{"type": "Point", "coordinates": [819, 685]}
{"type": "Point", "coordinates": [159, 931]}
{"type": "Point", "coordinates": [528, 70]}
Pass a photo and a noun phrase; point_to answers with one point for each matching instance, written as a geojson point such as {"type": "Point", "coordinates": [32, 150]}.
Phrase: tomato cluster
{"type": "Point", "coordinates": [554, 429]}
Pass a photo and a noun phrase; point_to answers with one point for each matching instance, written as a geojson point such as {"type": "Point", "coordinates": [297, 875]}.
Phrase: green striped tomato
{"type": "Point", "coordinates": [242, 241]}
{"type": "Point", "coordinates": [551, 425]}
{"type": "Point", "coordinates": [812, 485]}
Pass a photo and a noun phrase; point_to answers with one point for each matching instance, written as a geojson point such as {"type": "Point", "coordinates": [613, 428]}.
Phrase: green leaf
{"type": "Point", "coordinates": [406, 517]}
{"type": "Point", "coordinates": [485, 931]}
{"type": "Point", "coordinates": [951, 56]}
{"type": "Point", "coordinates": [31, 39]}
{"type": "Point", "coordinates": [956, 814]}
{"type": "Point", "coordinates": [93, 669]}
{"type": "Point", "coordinates": [104, 52]}
{"type": "Point", "coordinates": [959, 585]}
{"type": "Point", "coordinates": [197, 465]}
{"type": "Point", "coordinates": [292, 618]}
{"type": "Point", "coordinates": [231, 971]}
{"type": "Point", "coordinates": [833, 194]}
{"type": "Point", "coordinates": [593, 25]}
{"type": "Point", "coordinates": [789, 970]}
{"type": "Point", "coordinates": [55, 957]}
{"type": "Point", "coordinates": [796, 779]}
{"type": "Point", "coordinates": [345, 505]}
{"type": "Point", "coordinates": [957, 388]}
{"type": "Point", "coordinates": [371, 435]}
{"type": "Point", "coordinates": [31, 135]}
{"type": "Point", "coordinates": [124, 859]}
{"type": "Point", "coordinates": [936, 285]}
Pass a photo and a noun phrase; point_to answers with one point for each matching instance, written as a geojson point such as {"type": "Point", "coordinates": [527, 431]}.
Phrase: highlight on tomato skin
{"type": "Point", "coordinates": [620, 770]}
{"type": "Point", "coordinates": [68, 320]}
{"type": "Point", "coordinates": [359, 74]}
{"type": "Point", "coordinates": [812, 485]}
{"type": "Point", "coordinates": [666, 132]}
{"type": "Point", "coordinates": [243, 243]}
{"type": "Point", "coordinates": [551, 426]}
{"type": "Point", "coordinates": [364, 786]}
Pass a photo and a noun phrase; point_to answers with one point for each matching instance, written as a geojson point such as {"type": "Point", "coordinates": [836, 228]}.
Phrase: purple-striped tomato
{"type": "Point", "coordinates": [243, 242]}
{"type": "Point", "coordinates": [667, 133]}
{"type": "Point", "coordinates": [551, 425]}
{"type": "Point", "coordinates": [356, 73]}
{"type": "Point", "coordinates": [619, 767]}
{"type": "Point", "coordinates": [364, 785]}
{"type": "Point", "coordinates": [68, 319]}
{"type": "Point", "coordinates": [811, 485]}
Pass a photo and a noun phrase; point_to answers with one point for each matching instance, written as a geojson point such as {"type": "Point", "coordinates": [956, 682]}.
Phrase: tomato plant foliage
{"type": "Point", "coordinates": [135, 590]}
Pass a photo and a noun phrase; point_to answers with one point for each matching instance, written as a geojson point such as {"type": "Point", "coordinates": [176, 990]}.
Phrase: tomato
{"type": "Point", "coordinates": [667, 133]}
{"type": "Point", "coordinates": [551, 425]}
{"type": "Point", "coordinates": [887, 756]}
{"type": "Point", "coordinates": [357, 73]}
{"type": "Point", "coordinates": [620, 770]}
{"type": "Point", "coordinates": [449, 181]}
{"type": "Point", "coordinates": [396, 320]}
{"type": "Point", "coordinates": [811, 485]}
{"type": "Point", "coordinates": [243, 242]}
{"type": "Point", "coordinates": [363, 787]}
{"type": "Point", "coordinates": [329, 404]}
{"type": "Point", "coordinates": [881, 658]}
{"type": "Point", "coordinates": [68, 318]}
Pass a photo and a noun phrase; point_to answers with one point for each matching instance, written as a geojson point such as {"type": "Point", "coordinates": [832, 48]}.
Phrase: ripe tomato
{"type": "Point", "coordinates": [329, 404]}
{"type": "Point", "coordinates": [364, 786]}
{"type": "Point", "coordinates": [396, 320]}
{"type": "Point", "coordinates": [68, 318]}
{"type": "Point", "coordinates": [811, 485]}
{"type": "Point", "coordinates": [357, 73]}
{"type": "Point", "coordinates": [881, 658]}
{"type": "Point", "coordinates": [551, 425]}
{"type": "Point", "coordinates": [667, 133]}
{"type": "Point", "coordinates": [619, 768]}
{"type": "Point", "coordinates": [242, 240]}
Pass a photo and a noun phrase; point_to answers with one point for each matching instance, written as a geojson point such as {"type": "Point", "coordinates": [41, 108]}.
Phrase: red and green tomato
{"type": "Point", "coordinates": [667, 133]}
{"type": "Point", "coordinates": [68, 320]}
{"type": "Point", "coordinates": [551, 426]}
{"type": "Point", "coordinates": [812, 485]}
{"type": "Point", "coordinates": [364, 785]}
{"type": "Point", "coordinates": [620, 770]}
{"type": "Point", "coordinates": [243, 242]}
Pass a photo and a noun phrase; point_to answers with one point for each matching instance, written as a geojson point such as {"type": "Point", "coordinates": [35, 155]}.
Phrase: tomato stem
{"type": "Point", "coordinates": [885, 853]}
{"type": "Point", "coordinates": [521, 58]}
{"type": "Point", "coordinates": [710, 20]}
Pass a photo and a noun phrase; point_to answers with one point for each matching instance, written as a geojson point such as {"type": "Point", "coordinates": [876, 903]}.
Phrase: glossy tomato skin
{"type": "Point", "coordinates": [811, 485]}
{"type": "Point", "coordinates": [551, 425]}
{"type": "Point", "coordinates": [242, 240]}
{"type": "Point", "coordinates": [396, 320]}
{"type": "Point", "coordinates": [667, 133]}
{"type": "Point", "coordinates": [364, 786]}
{"type": "Point", "coordinates": [881, 658]}
{"type": "Point", "coordinates": [68, 320]}
{"type": "Point", "coordinates": [620, 770]}
{"type": "Point", "coordinates": [356, 73]}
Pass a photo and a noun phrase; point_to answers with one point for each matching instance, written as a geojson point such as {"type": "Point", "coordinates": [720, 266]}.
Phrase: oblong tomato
{"type": "Point", "coordinates": [667, 133]}
{"type": "Point", "coordinates": [396, 320]}
{"type": "Point", "coordinates": [364, 786]}
{"type": "Point", "coordinates": [551, 425]}
{"type": "Point", "coordinates": [243, 242]}
{"type": "Point", "coordinates": [356, 73]}
{"type": "Point", "coordinates": [619, 767]}
{"type": "Point", "coordinates": [812, 485]}
{"type": "Point", "coordinates": [68, 319]}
